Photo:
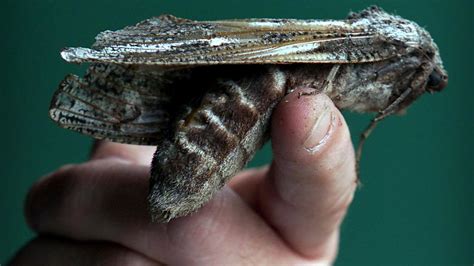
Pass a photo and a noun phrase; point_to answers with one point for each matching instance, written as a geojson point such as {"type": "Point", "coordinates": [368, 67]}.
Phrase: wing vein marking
{"type": "Point", "coordinates": [115, 124]}
{"type": "Point", "coordinates": [69, 111]}
{"type": "Point", "coordinates": [94, 107]}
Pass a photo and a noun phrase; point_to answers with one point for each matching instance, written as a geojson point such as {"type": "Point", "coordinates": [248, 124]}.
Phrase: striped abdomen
{"type": "Point", "coordinates": [213, 141]}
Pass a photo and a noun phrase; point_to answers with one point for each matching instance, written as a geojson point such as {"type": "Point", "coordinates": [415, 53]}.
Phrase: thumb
{"type": "Point", "coordinates": [312, 178]}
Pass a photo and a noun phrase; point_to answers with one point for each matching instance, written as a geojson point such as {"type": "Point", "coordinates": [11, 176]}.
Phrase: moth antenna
{"type": "Point", "coordinates": [389, 110]}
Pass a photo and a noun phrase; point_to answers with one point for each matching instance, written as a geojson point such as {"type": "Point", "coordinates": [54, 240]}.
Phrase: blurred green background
{"type": "Point", "coordinates": [416, 205]}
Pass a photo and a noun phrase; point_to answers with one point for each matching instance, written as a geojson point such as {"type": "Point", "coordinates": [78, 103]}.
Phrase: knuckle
{"type": "Point", "coordinates": [62, 177]}
{"type": "Point", "coordinates": [51, 196]}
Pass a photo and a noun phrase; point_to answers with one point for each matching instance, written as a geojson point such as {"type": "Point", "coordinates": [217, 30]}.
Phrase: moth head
{"type": "Point", "coordinates": [438, 78]}
{"type": "Point", "coordinates": [437, 81]}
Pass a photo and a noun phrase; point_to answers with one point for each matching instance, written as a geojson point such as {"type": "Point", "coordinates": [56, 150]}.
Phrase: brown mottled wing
{"type": "Point", "coordinates": [118, 103]}
{"type": "Point", "coordinates": [167, 40]}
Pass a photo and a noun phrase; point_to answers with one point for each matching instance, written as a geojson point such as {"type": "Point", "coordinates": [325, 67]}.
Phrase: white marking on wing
{"type": "Point", "coordinates": [289, 49]}
{"type": "Point", "coordinates": [220, 41]}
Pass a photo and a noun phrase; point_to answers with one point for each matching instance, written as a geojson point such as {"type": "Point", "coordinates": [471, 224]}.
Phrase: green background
{"type": "Point", "coordinates": [416, 205]}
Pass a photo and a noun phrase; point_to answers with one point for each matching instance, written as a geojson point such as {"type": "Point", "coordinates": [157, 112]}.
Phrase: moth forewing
{"type": "Point", "coordinates": [203, 92]}
{"type": "Point", "coordinates": [168, 40]}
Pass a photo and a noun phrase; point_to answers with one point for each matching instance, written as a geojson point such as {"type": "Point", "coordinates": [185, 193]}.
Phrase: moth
{"type": "Point", "coordinates": [203, 92]}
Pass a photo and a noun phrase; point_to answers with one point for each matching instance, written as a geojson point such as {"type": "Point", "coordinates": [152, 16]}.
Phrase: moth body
{"type": "Point", "coordinates": [204, 92]}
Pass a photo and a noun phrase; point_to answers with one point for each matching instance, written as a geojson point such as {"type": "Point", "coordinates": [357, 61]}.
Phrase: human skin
{"type": "Point", "coordinates": [286, 214]}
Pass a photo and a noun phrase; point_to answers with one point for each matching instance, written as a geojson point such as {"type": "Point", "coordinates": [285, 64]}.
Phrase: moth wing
{"type": "Point", "coordinates": [167, 40]}
{"type": "Point", "coordinates": [112, 102]}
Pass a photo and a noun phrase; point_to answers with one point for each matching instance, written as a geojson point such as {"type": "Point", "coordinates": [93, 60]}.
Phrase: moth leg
{"type": "Point", "coordinates": [393, 107]}
{"type": "Point", "coordinates": [389, 110]}
{"type": "Point", "coordinates": [327, 84]}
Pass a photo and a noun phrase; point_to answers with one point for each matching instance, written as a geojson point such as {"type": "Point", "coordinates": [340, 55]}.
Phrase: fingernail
{"type": "Point", "coordinates": [321, 130]}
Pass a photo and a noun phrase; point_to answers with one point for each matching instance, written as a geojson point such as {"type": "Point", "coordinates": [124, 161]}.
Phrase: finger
{"type": "Point", "coordinates": [312, 178]}
{"type": "Point", "coordinates": [139, 154]}
{"type": "Point", "coordinates": [106, 200]}
{"type": "Point", "coordinates": [54, 251]}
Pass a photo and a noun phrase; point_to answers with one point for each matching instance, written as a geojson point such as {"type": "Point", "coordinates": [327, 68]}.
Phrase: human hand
{"type": "Point", "coordinates": [287, 214]}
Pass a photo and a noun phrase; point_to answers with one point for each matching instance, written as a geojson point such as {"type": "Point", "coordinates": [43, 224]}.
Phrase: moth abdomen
{"type": "Point", "coordinates": [212, 142]}
{"type": "Point", "coordinates": [218, 135]}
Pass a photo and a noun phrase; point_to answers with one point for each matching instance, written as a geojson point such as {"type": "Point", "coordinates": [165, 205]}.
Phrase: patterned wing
{"type": "Point", "coordinates": [125, 104]}
{"type": "Point", "coordinates": [371, 35]}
